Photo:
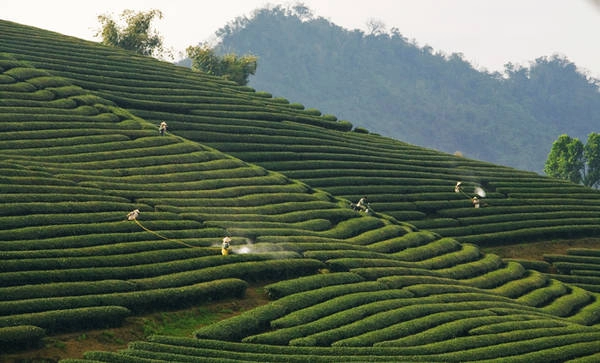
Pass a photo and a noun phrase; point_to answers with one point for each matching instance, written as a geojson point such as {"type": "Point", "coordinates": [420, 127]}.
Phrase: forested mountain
{"type": "Point", "coordinates": [389, 85]}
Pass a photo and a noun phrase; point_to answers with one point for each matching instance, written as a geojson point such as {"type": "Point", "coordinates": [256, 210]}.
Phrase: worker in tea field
{"type": "Point", "coordinates": [458, 187]}
{"type": "Point", "coordinates": [162, 128]}
{"type": "Point", "coordinates": [225, 247]}
{"type": "Point", "coordinates": [133, 215]}
{"type": "Point", "coordinates": [362, 205]}
{"type": "Point", "coordinates": [476, 202]}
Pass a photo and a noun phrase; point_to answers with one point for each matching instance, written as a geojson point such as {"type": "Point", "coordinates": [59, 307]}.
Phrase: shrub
{"type": "Point", "coordinates": [494, 278]}
{"type": "Point", "coordinates": [335, 305]}
{"type": "Point", "coordinates": [346, 263]}
{"type": "Point", "coordinates": [280, 100]}
{"type": "Point", "coordinates": [263, 94]}
{"type": "Point", "coordinates": [70, 319]}
{"type": "Point", "coordinates": [542, 296]}
{"type": "Point", "coordinates": [21, 337]}
{"type": "Point", "coordinates": [258, 319]}
{"type": "Point", "coordinates": [288, 287]}
{"type": "Point", "coordinates": [25, 73]}
{"type": "Point", "coordinates": [541, 266]}
{"type": "Point", "coordinates": [250, 271]}
{"type": "Point", "coordinates": [312, 112]}
{"type": "Point", "coordinates": [531, 281]}
{"type": "Point", "coordinates": [408, 240]}
{"type": "Point", "coordinates": [429, 250]}
{"type": "Point", "coordinates": [379, 234]}
{"type": "Point", "coordinates": [475, 267]}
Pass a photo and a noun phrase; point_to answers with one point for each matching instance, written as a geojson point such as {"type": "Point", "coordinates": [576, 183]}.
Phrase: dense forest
{"type": "Point", "coordinates": [385, 83]}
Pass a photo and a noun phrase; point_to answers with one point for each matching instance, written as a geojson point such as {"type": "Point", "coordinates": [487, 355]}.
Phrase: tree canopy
{"type": "Point", "coordinates": [235, 68]}
{"type": "Point", "coordinates": [569, 159]}
{"type": "Point", "coordinates": [137, 35]}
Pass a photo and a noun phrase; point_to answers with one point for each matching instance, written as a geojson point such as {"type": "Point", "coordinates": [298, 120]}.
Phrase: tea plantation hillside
{"type": "Point", "coordinates": [81, 150]}
{"type": "Point", "coordinates": [409, 183]}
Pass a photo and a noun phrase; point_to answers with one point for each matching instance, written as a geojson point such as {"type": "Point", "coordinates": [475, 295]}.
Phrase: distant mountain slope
{"type": "Point", "coordinates": [81, 149]}
{"type": "Point", "coordinates": [393, 87]}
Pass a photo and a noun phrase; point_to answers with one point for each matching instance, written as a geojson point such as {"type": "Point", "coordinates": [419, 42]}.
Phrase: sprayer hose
{"type": "Point", "coordinates": [161, 236]}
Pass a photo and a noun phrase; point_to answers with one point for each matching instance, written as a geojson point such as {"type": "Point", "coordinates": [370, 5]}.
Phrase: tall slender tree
{"type": "Point", "coordinates": [591, 153]}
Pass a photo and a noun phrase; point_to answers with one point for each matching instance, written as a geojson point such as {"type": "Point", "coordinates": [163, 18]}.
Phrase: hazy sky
{"type": "Point", "coordinates": [489, 33]}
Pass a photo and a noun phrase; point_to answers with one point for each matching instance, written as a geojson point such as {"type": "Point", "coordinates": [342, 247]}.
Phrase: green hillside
{"type": "Point", "coordinates": [392, 85]}
{"type": "Point", "coordinates": [407, 282]}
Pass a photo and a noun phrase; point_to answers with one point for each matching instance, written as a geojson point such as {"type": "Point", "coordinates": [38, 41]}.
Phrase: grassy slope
{"type": "Point", "coordinates": [68, 186]}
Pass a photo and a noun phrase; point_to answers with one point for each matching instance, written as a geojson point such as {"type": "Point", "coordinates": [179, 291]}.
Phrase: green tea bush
{"type": "Point", "coordinates": [263, 94]}
{"type": "Point", "coordinates": [16, 87]}
{"type": "Point", "coordinates": [433, 223]}
{"type": "Point", "coordinates": [124, 260]}
{"type": "Point", "coordinates": [347, 263]}
{"type": "Point", "coordinates": [39, 95]}
{"type": "Point", "coordinates": [553, 258]}
{"type": "Point", "coordinates": [398, 282]}
{"type": "Point", "coordinates": [296, 106]}
{"type": "Point", "coordinates": [137, 301]}
{"type": "Point", "coordinates": [530, 281]}
{"type": "Point", "coordinates": [21, 337]}
{"type": "Point", "coordinates": [48, 82]}
{"type": "Point", "coordinates": [25, 73]}
{"type": "Point", "coordinates": [541, 266]}
{"type": "Point", "coordinates": [324, 255]}
{"type": "Point", "coordinates": [379, 315]}
{"type": "Point", "coordinates": [492, 279]}
{"type": "Point", "coordinates": [432, 249]}
{"type": "Point", "coordinates": [591, 273]}
{"type": "Point", "coordinates": [379, 234]}
{"type": "Point", "coordinates": [545, 295]}
{"type": "Point", "coordinates": [567, 267]}
{"type": "Point", "coordinates": [70, 319]}
{"type": "Point", "coordinates": [434, 327]}
{"type": "Point", "coordinates": [469, 269]}
{"type": "Point", "coordinates": [589, 252]}
{"type": "Point", "coordinates": [287, 287]}
{"type": "Point", "coordinates": [312, 112]}
{"type": "Point", "coordinates": [5, 79]}
{"type": "Point", "coordinates": [335, 305]}
{"type": "Point", "coordinates": [374, 273]}
{"type": "Point", "coordinates": [250, 271]}
{"type": "Point", "coordinates": [354, 227]}
{"type": "Point", "coordinates": [401, 243]}
{"type": "Point", "coordinates": [258, 319]}
{"type": "Point", "coordinates": [64, 289]}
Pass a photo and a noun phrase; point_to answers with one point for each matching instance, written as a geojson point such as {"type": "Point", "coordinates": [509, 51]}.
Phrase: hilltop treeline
{"type": "Point", "coordinates": [388, 84]}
